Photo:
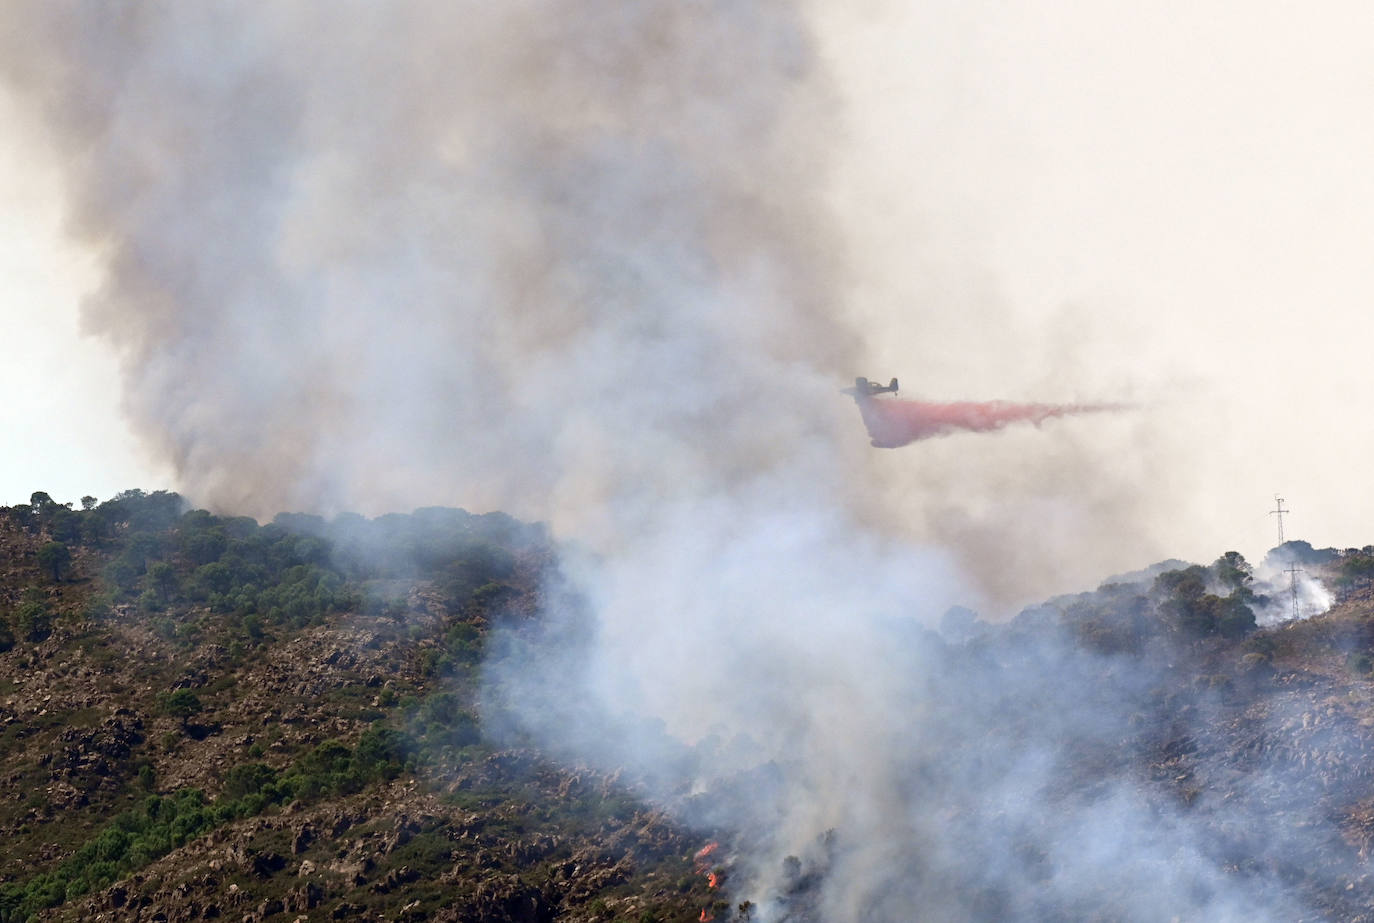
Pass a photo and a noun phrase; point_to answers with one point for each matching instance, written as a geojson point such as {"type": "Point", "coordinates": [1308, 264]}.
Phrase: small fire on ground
{"type": "Point", "coordinates": [713, 878]}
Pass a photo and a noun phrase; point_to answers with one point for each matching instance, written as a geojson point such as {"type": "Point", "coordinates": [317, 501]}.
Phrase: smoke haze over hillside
{"type": "Point", "coordinates": [539, 260]}
{"type": "Point", "coordinates": [607, 264]}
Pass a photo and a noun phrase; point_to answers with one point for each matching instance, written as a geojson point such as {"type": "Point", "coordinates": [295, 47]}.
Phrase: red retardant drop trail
{"type": "Point", "coordinates": [894, 423]}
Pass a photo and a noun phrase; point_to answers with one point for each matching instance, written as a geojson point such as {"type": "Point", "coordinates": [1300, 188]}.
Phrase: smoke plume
{"type": "Point", "coordinates": [573, 261]}
{"type": "Point", "coordinates": [895, 423]}
{"type": "Point", "coordinates": [522, 256]}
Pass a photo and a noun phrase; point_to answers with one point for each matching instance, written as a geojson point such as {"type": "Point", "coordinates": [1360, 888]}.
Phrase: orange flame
{"type": "Point", "coordinates": [712, 879]}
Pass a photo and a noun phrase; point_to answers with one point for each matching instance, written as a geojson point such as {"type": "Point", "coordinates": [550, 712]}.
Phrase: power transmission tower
{"type": "Point", "coordinates": [1293, 571]}
{"type": "Point", "coordinates": [1278, 511]}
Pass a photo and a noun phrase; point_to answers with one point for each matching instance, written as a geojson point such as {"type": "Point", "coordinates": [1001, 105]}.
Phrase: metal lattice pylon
{"type": "Point", "coordinates": [1278, 511]}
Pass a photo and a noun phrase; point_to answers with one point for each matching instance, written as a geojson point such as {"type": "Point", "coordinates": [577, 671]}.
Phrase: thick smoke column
{"type": "Point", "coordinates": [895, 423]}
{"type": "Point", "coordinates": [531, 256]}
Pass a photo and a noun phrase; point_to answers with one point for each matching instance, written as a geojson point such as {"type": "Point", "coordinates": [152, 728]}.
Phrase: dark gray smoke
{"type": "Point", "coordinates": [572, 261]}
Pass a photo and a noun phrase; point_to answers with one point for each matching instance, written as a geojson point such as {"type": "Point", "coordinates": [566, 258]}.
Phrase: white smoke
{"type": "Point", "coordinates": [1289, 596]}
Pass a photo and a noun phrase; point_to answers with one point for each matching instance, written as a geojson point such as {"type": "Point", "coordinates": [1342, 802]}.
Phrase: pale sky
{"type": "Point", "coordinates": [1169, 204]}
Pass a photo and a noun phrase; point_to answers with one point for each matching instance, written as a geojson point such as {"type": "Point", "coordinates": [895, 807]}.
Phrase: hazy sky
{"type": "Point", "coordinates": [62, 426]}
{"type": "Point", "coordinates": [1170, 205]}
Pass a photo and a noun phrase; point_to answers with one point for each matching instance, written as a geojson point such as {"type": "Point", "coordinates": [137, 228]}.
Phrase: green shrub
{"type": "Point", "coordinates": [183, 704]}
{"type": "Point", "coordinates": [32, 620]}
{"type": "Point", "coordinates": [247, 779]}
{"type": "Point", "coordinates": [54, 558]}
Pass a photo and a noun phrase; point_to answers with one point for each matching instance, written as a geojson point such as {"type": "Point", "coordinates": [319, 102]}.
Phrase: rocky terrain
{"type": "Point", "coordinates": [170, 755]}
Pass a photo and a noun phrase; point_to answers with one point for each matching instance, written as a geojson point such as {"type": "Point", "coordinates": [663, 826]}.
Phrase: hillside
{"type": "Point", "coordinates": [202, 717]}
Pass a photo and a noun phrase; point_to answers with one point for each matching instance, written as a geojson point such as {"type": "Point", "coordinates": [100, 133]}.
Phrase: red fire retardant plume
{"type": "Point", "coordinates": [893, 423]}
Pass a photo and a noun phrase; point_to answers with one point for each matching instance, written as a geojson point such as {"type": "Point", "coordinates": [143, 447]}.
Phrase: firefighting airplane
{"type": "Point", "coordinates": [864, 388]}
